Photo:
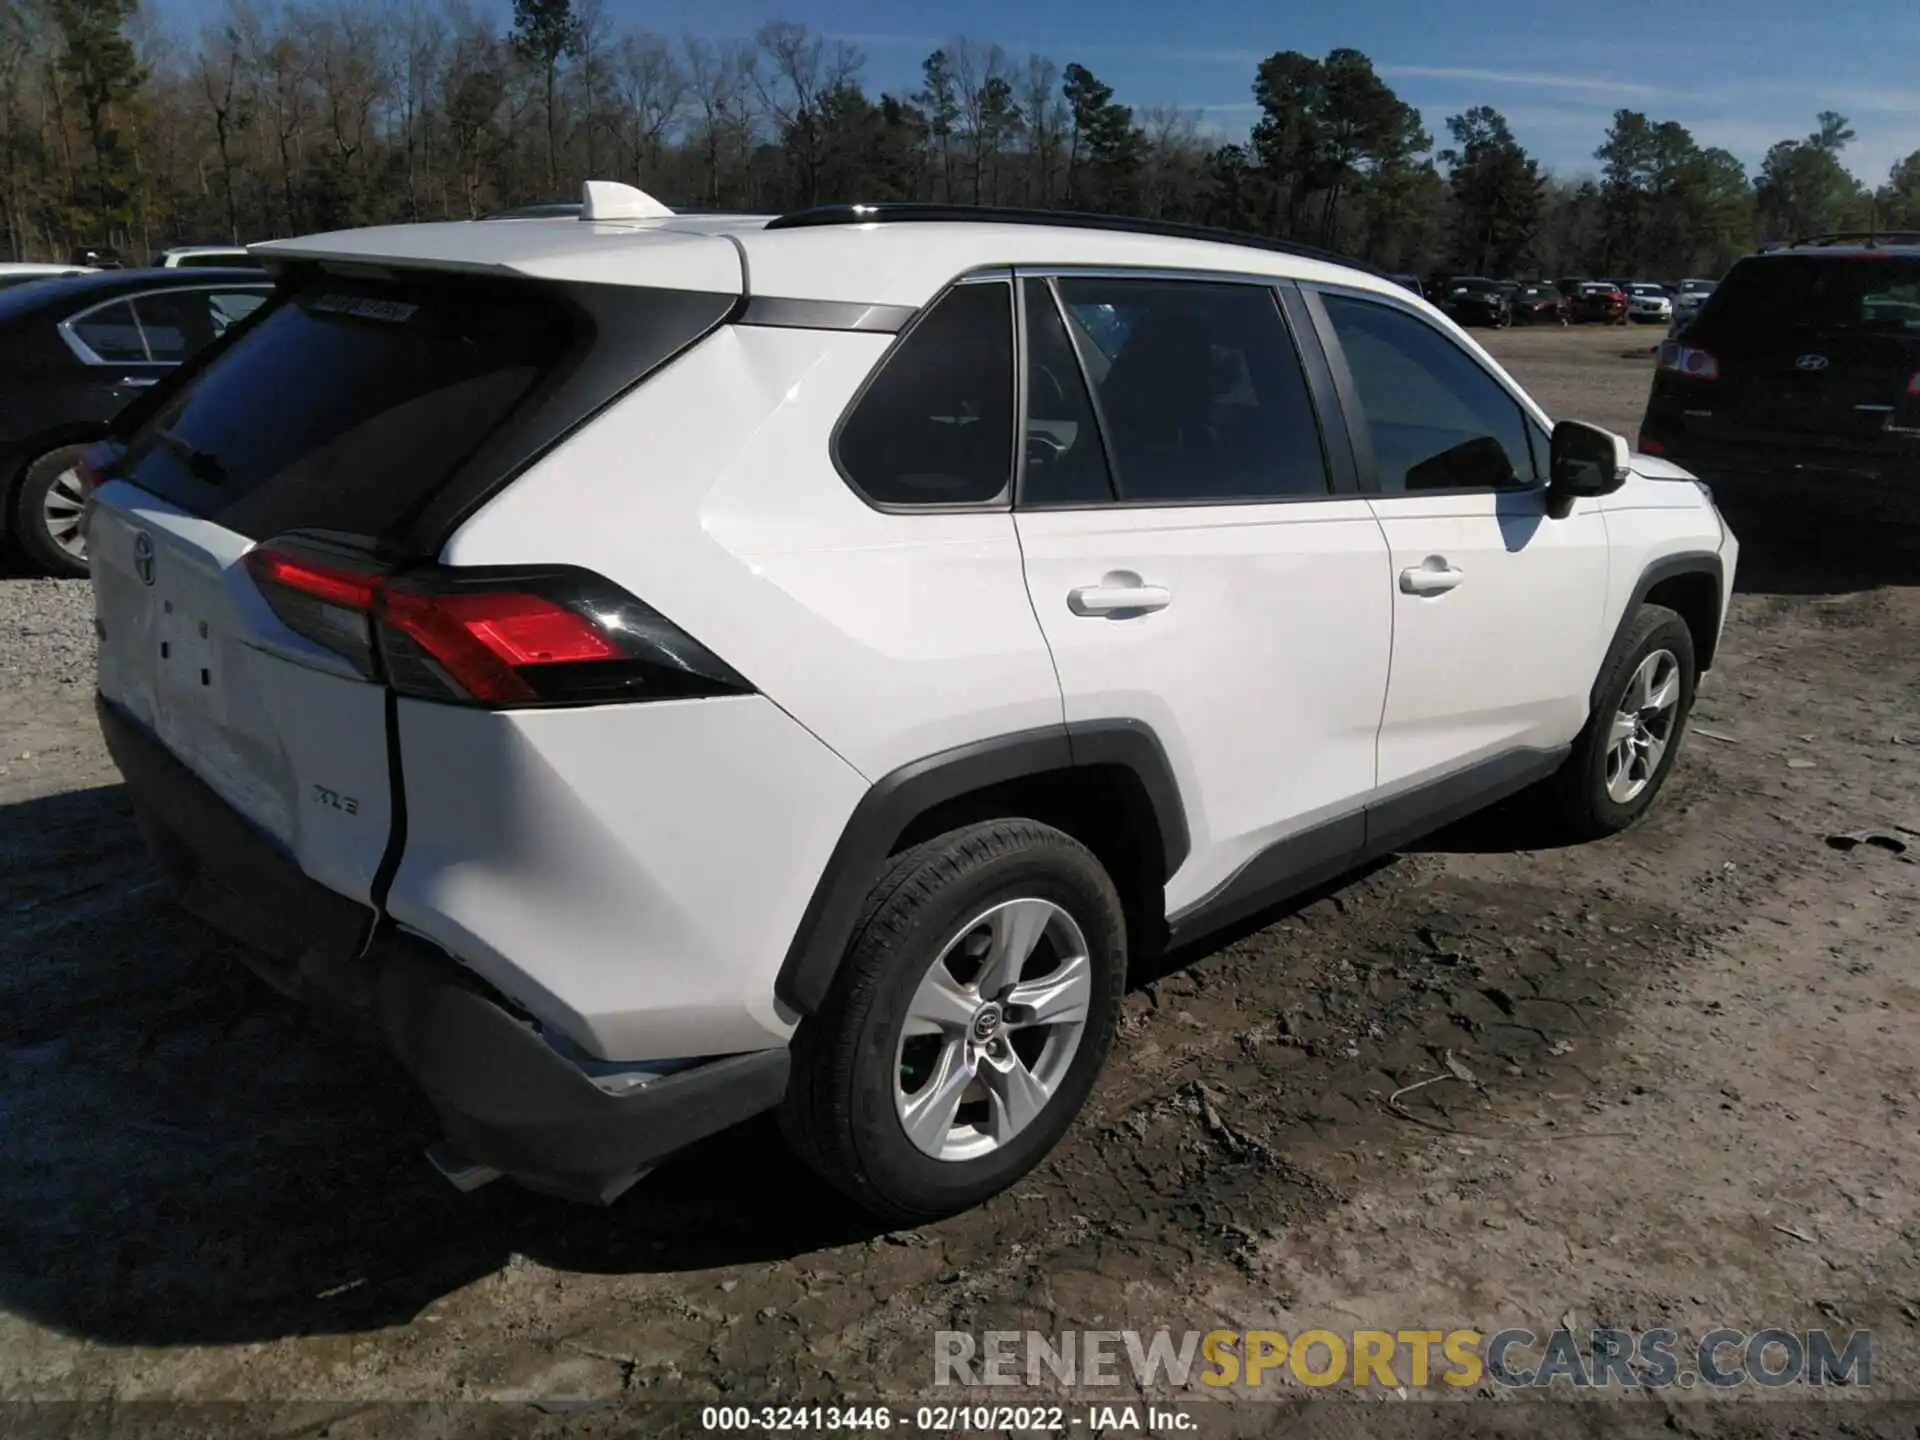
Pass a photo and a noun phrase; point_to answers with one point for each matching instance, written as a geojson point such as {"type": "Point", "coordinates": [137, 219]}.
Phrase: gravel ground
{"type": "Point", "coordinates": [1695, 1097]}
{"type": "Point", "coordinates": [46, 633]}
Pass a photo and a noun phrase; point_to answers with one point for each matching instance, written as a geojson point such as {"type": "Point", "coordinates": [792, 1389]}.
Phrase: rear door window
{"type": "Point", "coordinates": [347, 406]}
{"type": "Point", "coordinates": [1066, 464]}
{"type": "Point", "coordinates": [1200, 388]}
{"type": "Point", "coordinates": [111, 333]}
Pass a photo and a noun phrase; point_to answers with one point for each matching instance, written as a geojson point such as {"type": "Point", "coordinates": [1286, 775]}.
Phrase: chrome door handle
{"type": "Point", "coordinates": [1119, 594]}
{"type": "Point", "coordinates": [1432, 576]}
{"type": "Point", "coordinates": [139, 380]}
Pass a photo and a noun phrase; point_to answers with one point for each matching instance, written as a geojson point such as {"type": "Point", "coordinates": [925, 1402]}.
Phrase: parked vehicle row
{"type": "Point", "coordinates": [1474, 300]}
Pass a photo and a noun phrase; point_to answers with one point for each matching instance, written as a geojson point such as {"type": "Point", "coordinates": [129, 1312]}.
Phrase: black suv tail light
{"type": "Point", "coordinates": [1688, 360]}
{"type": "Point", "coordinates": [496, 636]}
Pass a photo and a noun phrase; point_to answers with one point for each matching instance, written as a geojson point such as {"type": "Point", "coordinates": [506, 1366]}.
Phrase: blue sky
{"type": "Point", "coordinates": [1739, 75]}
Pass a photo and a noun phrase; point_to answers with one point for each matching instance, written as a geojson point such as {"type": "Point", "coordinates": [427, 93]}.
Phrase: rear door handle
{"type": "Point", "coordinates": [139, 379]}
{"type": "Point", "coordinates": [1119, 594]}
{"type": "Point", "coordinates": [1433, 576]}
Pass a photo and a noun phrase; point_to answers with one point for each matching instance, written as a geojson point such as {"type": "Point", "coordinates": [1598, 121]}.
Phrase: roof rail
{"type": "Point", "coordinates": [894, 210]}
{"type": "Point", "coordinates": [1862, 237]}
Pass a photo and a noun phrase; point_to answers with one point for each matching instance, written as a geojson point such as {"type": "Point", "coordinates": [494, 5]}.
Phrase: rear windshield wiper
{"type": "Point", "coordinates": [202, 464]}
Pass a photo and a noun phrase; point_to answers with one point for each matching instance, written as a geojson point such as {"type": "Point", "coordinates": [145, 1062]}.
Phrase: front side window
{"type": "Point", "coordinates": [1200, 388]}
{"type": "Point", "coordinates": [1436, 419]}
{"type": "Point", "coordinates": [936, 425]}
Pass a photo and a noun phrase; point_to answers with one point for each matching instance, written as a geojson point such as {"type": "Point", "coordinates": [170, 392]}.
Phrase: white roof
{"type": "Point", "coordinates": [38, 267]}
{"type": "Point", "coordinates": [899, 262]}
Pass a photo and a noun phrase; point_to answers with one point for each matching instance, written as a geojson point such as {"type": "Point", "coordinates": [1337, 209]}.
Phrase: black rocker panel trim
{"type": "Point", "coordinates": [1326, 851]}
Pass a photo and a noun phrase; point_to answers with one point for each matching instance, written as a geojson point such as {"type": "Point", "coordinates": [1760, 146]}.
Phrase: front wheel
{"type": "Point", "coordinates": [968, 1023]}
{"type": "Point", "coordinates": [47, 511]}
{"type": "Point", "coordinates": [1625, 753]}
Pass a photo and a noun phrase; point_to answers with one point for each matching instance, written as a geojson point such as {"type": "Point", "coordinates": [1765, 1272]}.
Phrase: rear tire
{"type": "Point", "coordinates": [1627, 750]}
{"type": "Point", "coordinates": [927, 1081]}
{"type": "Point", "coordinates": [46, 514]}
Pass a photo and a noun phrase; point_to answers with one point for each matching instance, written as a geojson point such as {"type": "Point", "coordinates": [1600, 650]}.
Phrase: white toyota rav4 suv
{"type": "Point", "coordinates": [655, 670]}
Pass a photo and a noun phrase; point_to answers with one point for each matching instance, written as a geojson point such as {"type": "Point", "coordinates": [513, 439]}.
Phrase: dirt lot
{"type": "Point", "coordinates": [1695, 1096]}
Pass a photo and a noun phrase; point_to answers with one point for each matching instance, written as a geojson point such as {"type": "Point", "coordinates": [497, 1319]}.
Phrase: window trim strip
{"type": "Point", "coordinates": [781, 313]}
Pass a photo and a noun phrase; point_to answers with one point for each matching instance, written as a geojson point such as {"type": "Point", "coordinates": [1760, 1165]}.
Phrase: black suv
{"type": "Point", "coordinates": [1805, 360]}
{"type": "Point", "coordinates": [73, 352]}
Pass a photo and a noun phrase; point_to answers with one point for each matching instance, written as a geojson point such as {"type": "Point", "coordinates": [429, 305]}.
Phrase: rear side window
{"type": "Point", "coordinates": [1436, 419]}
{"type": "Point", "coordinates": [1200, 389]}
{"type": "Point", "coordinates": [178, 324]}
{"type": "Point", "coordinates": [1777, 294]}
{"type": "Point", "coordinates": [348, 405]}
{"type": "Point", "coordinates": [935, 426]}
{"type": "Point", "coordinates": [111, 333]}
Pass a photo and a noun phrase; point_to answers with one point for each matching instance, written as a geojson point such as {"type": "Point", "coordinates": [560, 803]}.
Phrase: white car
{"type": "Point", "coordinates": [22, 272]}
{"type": "Point", "coordinates": [1691, 295]}
{"type": "Point", "coordinates": [662, 669]}
{"type": "Point", "coordinates": [1649, 304]}
{"type": "Point", "coordinates": [206, 257]}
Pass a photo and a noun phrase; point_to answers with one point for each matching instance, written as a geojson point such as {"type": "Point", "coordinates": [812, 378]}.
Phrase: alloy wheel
{"type": "Point", "coordinates": [1643, 726]}
{"type": "Point", "coordinates": [992, 1029]}
{"type": "Point", "coordinates": [62, 511]}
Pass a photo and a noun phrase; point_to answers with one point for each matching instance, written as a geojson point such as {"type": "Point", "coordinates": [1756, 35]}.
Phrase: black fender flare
{"type": "Point", "coordinates": [1687, 562]}
{"type": "Point", "coordinates": [899, 798]}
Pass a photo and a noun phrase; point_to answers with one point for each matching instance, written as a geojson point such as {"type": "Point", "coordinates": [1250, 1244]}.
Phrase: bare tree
{"type": "Point", "coordinates": [717, 81]}
{"type": "Point", "coordinates": [1046, 117]}
{"type": "Point", "coordinates": [653, 92]}
{"type": "Point", "coordinates": [794, 69]}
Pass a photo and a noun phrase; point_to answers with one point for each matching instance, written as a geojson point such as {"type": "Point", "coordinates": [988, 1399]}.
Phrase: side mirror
{"type": "Point", "coordinates": [1585, 460]}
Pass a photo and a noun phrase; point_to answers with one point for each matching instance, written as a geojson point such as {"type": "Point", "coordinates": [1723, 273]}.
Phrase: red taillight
{"type": "Point", "coordinates": [482, 639]}
{"type": "Point", "coordinates": [1651, 447]}
{"type": "Point", "coordinates": [1913, 385]}
{"type": "Point", "coordinates": [336, 585]}
{"type": "Point", "coordinates": [548, 636]}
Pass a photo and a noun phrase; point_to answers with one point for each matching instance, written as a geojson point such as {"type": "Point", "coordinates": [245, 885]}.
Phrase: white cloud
{"type": "Point", "coordinates": [1537, 79]}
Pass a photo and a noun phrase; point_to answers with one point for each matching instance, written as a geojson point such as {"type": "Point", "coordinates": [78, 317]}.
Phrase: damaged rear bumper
{"type": "Point", "coordinates": [507, 1099]}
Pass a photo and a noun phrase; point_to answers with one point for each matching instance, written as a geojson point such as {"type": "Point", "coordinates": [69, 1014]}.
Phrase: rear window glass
{"type": "Point", "coordinates": [1816, 292]}
{"type": "Point", "coordinates": [348, 404]}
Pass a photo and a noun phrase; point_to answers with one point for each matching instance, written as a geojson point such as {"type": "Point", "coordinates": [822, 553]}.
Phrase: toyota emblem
{"type": "Point", "coordinates": [1811, 362]}
{"type": "Point", "coordinates": [143, 557]}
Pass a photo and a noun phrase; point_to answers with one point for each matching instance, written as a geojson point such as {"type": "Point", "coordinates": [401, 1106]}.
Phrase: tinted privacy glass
{"type": "Point", "coordinates": [1200, 388]}
{"type": "Point", "coordinates": [177, 324]}
{"type": "Point", "coordinates": [936, 425]}
{"type": "Point", "coordinates": [347, 405]}
{"type": "Point", "coordinates": [1066, 464]}
{"type": "Point", "coordinates": [1437, 421]}
{"type": "Point", "coordinates": [1790, 293]}
{"type": "Point", "coordinates": [111, 333]}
